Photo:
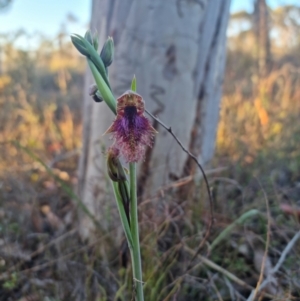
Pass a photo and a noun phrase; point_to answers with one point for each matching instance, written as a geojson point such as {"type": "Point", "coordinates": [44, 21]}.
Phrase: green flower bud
{"type": "Point", "coordinates": [88, 36]}
{"type": "Point", "coordinates": [93, 40]}
{"type": "Point", "coordinates": [107, 52]}
{"type": "Point", "coordinates": [96, 42]}
{"type": "Point", "coordinates": [79, 44]}
{"type": "Point", "coordinates": [117, 174]}
{"type": "Point", "coordinates": [114, 167]}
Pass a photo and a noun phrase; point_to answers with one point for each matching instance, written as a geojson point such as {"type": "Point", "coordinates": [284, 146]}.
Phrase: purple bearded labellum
{"type": "Point", "coordinates": [131, 130]}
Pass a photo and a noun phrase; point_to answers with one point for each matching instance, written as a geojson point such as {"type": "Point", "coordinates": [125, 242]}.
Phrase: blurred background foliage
{"type": "Point", "coordinates": [258, 144]}
{"type": "Point", "coordinates": [260, 109]}
{"type": "Point", "coordinates": [41, 93]}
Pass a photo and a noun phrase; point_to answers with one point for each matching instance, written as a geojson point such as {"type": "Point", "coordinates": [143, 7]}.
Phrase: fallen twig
{"type": "Point", "coordinates": [287, 249]}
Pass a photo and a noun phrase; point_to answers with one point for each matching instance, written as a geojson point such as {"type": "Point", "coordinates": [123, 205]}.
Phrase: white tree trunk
{"type": "Point", "coordinates": [176, 49]}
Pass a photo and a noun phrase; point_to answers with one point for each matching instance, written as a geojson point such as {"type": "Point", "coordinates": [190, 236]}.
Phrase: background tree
{"type": "Point", "coordinates": [176, 49]}
{"type": "Point", "coordinates": [262, 30]}
{"type": "Point", "coordinates": [254, 34]}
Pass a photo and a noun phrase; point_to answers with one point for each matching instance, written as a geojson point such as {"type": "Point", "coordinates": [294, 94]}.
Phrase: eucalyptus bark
{"type": "Point", "coordinates": [177, 51]}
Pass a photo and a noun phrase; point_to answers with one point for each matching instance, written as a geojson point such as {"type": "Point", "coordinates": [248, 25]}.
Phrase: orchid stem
{"type": "Point", "coordinates": [136, 256]}
{"type": "Point", "coordinates": [88, 46]}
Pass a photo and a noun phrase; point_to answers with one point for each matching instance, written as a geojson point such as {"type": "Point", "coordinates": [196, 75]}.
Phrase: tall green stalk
{"type": "Point", "coordinates": [136, 256]}
{"type": "Point", "coordinates": [88, 47]}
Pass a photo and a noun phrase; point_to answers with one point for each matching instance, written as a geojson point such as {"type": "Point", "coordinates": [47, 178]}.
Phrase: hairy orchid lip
{"type": "Point", "coordinates": [130, 112]}
{"type": "Point", "coordinates": [131, 130]}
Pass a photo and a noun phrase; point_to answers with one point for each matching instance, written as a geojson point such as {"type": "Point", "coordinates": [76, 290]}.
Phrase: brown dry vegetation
{"type": "Point", "coordinates": [255, 179]}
